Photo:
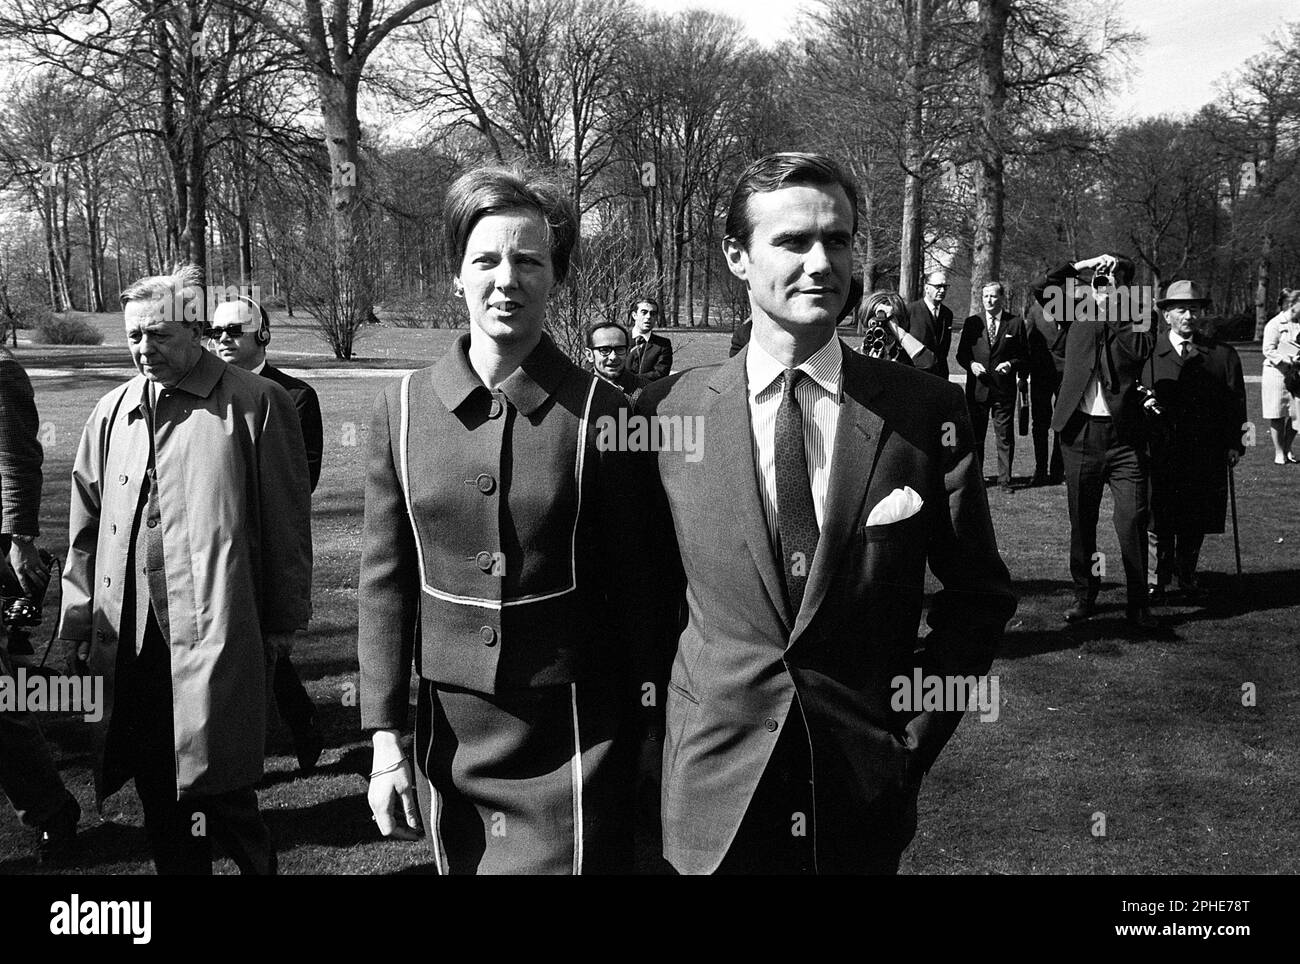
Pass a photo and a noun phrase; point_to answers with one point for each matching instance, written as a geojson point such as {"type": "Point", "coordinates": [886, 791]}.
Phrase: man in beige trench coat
{"type": "Point", "coordinates": [189, 564]}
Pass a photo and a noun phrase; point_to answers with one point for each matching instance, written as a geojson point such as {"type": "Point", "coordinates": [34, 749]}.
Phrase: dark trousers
{"type": "Point", "coordinates": [1177, 554]}
{"type": "Point", "coordinates": [292, 700]}
{"type": "Point", "coordinates": [1095, 457]}
{"type": "Point", "coordinates": [27, 774]}
{"type": "Point", "coordinates": [776, 834]}
{"type": "Point", "coordinates": [1043, 389]}
{"type": "Point", "coordinates": [1003, 414]}
{"type": "Point", "coordinates": [180, 832]}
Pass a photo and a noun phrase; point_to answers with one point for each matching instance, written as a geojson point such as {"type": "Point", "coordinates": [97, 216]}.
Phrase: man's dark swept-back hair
{"type": "Point", "coordinates": [776, 171]}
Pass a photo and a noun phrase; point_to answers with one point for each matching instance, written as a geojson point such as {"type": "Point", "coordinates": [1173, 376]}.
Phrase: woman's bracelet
{"type": "Point", "coordinates": [389, 769]}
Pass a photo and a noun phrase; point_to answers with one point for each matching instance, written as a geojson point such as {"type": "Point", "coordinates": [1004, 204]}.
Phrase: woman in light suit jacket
{"type": "Point", "coordinates": [1282, 358]}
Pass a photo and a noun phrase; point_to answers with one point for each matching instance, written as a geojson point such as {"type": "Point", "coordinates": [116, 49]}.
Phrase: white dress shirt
{"type": "Point", "coordinates": [819, 397]}
{"type": "Point", "coordinates": [1177, 340]}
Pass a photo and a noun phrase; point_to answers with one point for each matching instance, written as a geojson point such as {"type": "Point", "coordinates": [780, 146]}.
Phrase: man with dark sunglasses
{"type": "Point", "coordinates": [240, 332]}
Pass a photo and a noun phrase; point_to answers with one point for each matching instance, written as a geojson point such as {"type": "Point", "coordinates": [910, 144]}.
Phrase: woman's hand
{"type": "Point", "coordinates": [392, 796]}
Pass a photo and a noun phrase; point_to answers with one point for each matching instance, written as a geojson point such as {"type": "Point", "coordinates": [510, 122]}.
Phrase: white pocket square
{"type": "Point", "coordinates": [898, 505]}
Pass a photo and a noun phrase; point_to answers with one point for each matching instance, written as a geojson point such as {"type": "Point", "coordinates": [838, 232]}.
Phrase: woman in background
{"type": "Point", "coordinates": [882, 319]}
{"type": "Point", "coordinates": [1281, 374]}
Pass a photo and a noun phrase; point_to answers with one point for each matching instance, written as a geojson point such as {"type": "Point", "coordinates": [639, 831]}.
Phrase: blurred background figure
{"type": "Point", "coordinates": [1281, 376]}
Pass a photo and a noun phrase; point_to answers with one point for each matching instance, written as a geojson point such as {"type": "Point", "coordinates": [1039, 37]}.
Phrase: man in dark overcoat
{"type": "Point", "coordinates": [1198, 412]}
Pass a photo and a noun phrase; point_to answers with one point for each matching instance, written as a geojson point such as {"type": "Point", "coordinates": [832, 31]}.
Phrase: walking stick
{"type": "Point", "coordinates": [1236, 539]}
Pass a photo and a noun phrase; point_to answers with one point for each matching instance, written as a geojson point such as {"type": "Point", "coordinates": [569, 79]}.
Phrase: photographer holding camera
{"type": "Point", "coordinates": [1099, 417]}
{"type": "Point", "coordinates": [27, 774]}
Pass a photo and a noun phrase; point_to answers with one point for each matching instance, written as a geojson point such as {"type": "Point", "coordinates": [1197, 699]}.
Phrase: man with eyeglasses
{"type": "Point", "coordinates": [930, 322]}
{"type": "Point", "coordinates": [607, 348]}
{"type": "Point", "coordinates": [240, 331]}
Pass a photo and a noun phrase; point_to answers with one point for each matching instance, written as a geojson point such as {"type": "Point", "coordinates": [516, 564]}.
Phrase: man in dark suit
{"type": "Point", "coordinates": [1100, 420]}
{"type": "Point", "coordinates": [995, 354]}
{"type": "Point", "coordinates": [825, 482]}
{"type": "Point", "coordinates": [1199, 413]}
{"type": "Point", "coordinates": [240, 331]}
{"type": "Point", "coordinates": [1045, 336]}
{"type": "Point", "coordinates": [651, 356]}
{"type": "Point", "coordinates": [930, 321]}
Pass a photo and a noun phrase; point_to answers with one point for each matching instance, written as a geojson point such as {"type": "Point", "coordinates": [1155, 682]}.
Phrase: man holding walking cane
{"type": "Point", "coordinates": [1197, 400]}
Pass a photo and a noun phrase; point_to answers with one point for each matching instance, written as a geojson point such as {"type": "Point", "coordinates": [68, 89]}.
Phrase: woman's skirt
{"type": "Point", "coordinates": [1278, 402]}
{"type": "Point", "coordinates": [534, 781]}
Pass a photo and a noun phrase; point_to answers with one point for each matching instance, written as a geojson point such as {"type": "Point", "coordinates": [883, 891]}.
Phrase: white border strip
{"type": "Point", "coordinates": [576, 771]}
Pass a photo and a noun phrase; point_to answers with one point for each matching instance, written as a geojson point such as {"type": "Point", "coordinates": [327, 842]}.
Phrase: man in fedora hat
{"type": "Point", "coordinates": [1198, 409]}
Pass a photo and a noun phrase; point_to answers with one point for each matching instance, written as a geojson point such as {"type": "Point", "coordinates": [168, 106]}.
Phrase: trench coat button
{"type": "Point", "coordinates": [488, 635]}
{"type": "Point", "coordinates": [771, 725]}
{"type": "Point", "coordinates": [121, 479]}
{"type": "Point", "coordinates": [486, 484]}
{"type": "Point", "coordinates": [484, 560]}
{"type": "Point", "coordinates": [108, 581]}
{"type": "Point", "coordinates": [113, 529]}
{"type": "Point", "coordinates": [152, 523]}
{"type": "Point", "coordinates": [496, 408]}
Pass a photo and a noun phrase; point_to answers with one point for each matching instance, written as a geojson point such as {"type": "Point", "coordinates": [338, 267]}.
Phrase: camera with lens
{"type": "Point", "coordinates": [18, 608]}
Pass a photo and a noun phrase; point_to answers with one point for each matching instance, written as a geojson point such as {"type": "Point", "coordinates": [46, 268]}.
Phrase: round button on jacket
{"type": "Point", "coordinates": [496, 408]}
{"type": "Point", "coordinates": [488, 635]}
{"type": "Point", "coordinates": [771, 725]}
{"type": "Point", "coordinates": [484, 560]}
{"type": "Point", "coordinates": [486, 484]}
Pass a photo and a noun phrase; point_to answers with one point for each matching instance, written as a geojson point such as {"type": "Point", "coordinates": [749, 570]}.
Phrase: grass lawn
{"type": "Point", "coordinates": [1150, 733]}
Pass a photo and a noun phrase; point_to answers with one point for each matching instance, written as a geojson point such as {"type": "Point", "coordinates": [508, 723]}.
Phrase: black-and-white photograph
{"type": "Point", "coordinates": [650, 437]}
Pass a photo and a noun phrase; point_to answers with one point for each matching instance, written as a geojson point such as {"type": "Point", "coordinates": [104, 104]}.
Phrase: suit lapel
{"type": "Point", "coordinates": [858, 440]}
{"type": "Point", "coordinates": [729, 412]}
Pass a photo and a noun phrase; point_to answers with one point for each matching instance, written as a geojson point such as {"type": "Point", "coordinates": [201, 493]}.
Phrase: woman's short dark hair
{"type": "Point", "coordinates": [776, 171]}
{"type": "Point", "coordinates": [890, 299]}
{"type": "Point", "coordinates": [490, 190]}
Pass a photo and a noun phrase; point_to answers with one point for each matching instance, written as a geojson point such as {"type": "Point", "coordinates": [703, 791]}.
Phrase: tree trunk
{"type": "Point", "coordinates": [990, 186]}
{"type": "Point", "coordinates": [917, 30]}
{"type": "Point", "coordinates": [1262, 312]}
{"type": "Point", "coordinates": [351, 266]}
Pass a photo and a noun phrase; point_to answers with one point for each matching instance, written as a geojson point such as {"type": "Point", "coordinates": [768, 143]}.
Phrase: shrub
{"type": "Point", "coordinates": [66, 329]}
{"type": "Point", "coordinates": [427, 311]}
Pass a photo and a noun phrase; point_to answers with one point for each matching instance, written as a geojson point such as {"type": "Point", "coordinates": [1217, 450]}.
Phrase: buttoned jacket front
{"type": "Point", "coordinates": [496, 523]}
{"type": "Point", "coordinates": [231, 476]}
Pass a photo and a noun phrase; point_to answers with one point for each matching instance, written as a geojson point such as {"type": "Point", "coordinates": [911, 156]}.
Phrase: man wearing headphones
{"type": "Point", "coordinates": [240, 331]}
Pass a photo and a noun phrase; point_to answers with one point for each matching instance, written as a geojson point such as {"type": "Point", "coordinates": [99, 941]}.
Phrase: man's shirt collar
{"type": "Point", "coordinates": [823, 366]}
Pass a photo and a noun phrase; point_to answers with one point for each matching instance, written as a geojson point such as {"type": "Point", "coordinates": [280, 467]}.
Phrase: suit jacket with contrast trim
{"type": "Point", "coordinates": [495, 532]}
{"type": "Point", "coordinates": [742, 662]}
